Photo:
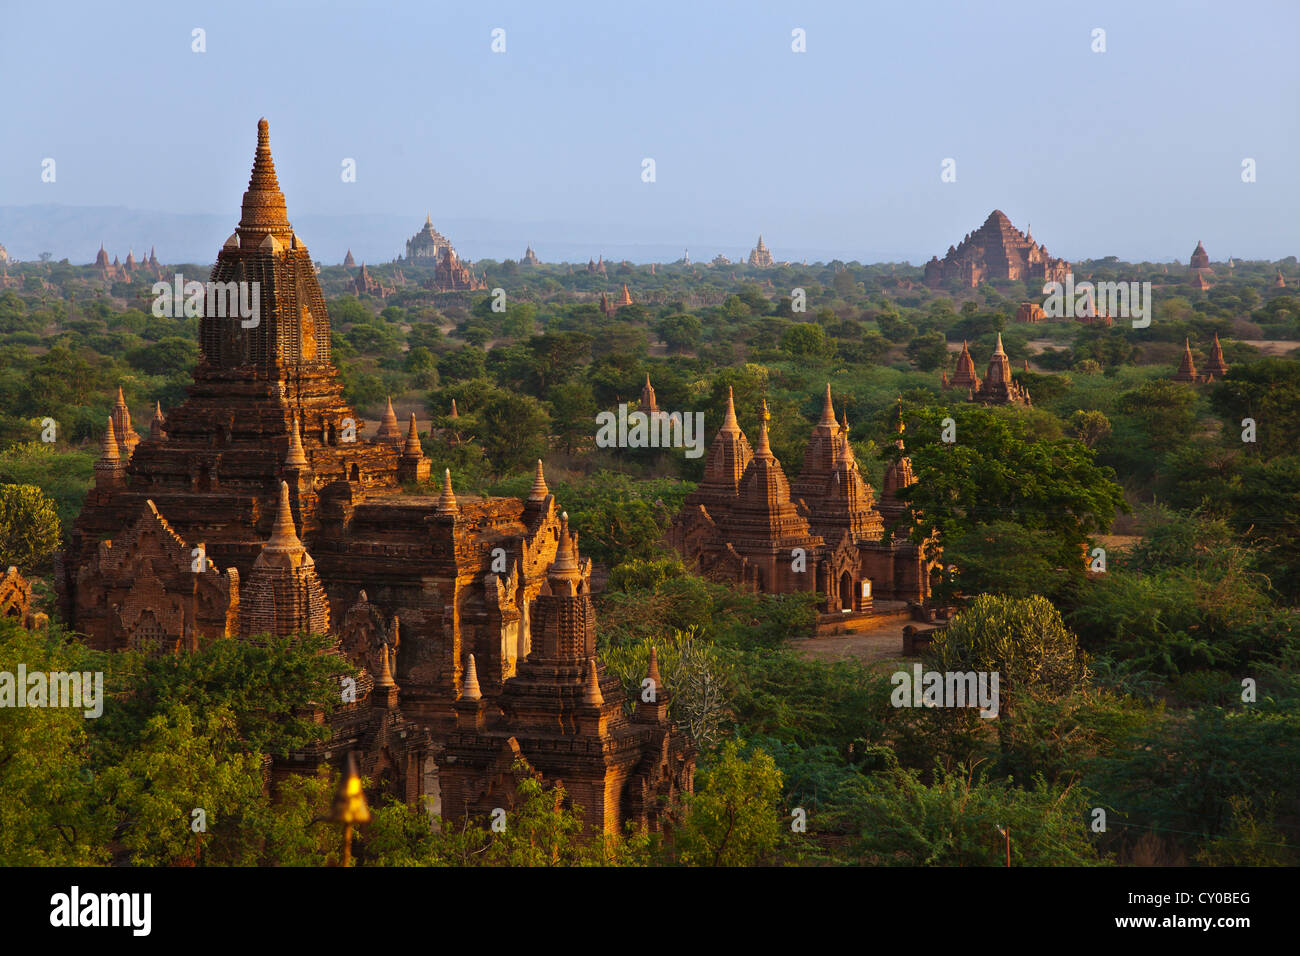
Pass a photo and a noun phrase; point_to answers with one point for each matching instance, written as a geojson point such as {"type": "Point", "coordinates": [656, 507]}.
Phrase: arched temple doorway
{"type": "Point", "coordinates": [846, 592]}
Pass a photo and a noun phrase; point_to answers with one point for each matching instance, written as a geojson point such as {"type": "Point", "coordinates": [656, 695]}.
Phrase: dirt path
{"type": "Point", "coordinates": [878, 644]}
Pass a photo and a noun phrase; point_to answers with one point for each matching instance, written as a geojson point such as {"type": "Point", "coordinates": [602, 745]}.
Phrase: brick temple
{"type": "Point", "coordinates": [1215, 367]}
{"type": "Point", "coordinates": [996, 388]}
{"type": "Point", "coordinates": [996, 250]}
{"type": "Point", "coordinates": [260, 507]}
{"type": "Point", "coordinates": [428, 243]}
{"type": "Point", "coordinates": [825, 533]}
{"type": "Point", "coordinates": [1199, 272]}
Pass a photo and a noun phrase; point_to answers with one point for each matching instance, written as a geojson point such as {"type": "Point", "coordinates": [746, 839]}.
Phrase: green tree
{"type": "Point", "coordinates": [1089, 426]}
{"type": "Point", "coordinates": [1269, 392]}
{"type": "Point", "coordinates": [960, 820]}
{"type": "Point", "coordinates": [29, 527]}
{"type": "Point", "coordinates": [681, 332]}
{"type": "Point", "coordinates": [805, 340]}
{"type": "Point", "coordinates": [1003, 558]}
{"type": "Point", "coordinates": [50, 811]}
{"type": "Point", "coordinates": [928, 351]}
{"type": "Point", "coordinates": [573, 415]}
{"type": "Point", "coordinates": [1022, 639]}
{"type": "Point", "coordinates": [734, 818]}
{"type": "Point", "coordinates": [996, 470]}
{"type": "Point", "coordinates": [176, 768]}
{"type": "Point", "coordinates": [514, 430]}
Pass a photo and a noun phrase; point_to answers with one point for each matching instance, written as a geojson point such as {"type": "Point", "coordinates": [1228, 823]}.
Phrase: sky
{"type": "Point", "coordinates": [835, 152]}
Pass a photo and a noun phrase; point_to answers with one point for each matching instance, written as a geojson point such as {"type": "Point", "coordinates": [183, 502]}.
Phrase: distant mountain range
{"type": "Point", "coordinates": [75, 232]}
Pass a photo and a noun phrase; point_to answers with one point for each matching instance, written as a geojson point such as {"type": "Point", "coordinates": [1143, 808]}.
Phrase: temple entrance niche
{"type": "Point", "coordinates": [432, 791]}
{"type": "Point", "coordinates": [846, 592]}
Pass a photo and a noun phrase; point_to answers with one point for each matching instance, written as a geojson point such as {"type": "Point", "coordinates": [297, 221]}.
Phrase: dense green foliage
{"type": "Point", "coordinates": [1157, 682]}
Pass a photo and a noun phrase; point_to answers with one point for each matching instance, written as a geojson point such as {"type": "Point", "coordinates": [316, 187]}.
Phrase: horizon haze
{"type": "Point", "coordinates": [835, 152]}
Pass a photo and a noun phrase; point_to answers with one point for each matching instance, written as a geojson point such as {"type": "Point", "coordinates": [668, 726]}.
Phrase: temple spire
{"type": "Point", "coordinates": [469, 689]}
{"type": "Point", "coordinates": [763, 449]}
{"type": "Point", "coordinates": [388, 428]}
{"type": "Point", "coordinates": [999, 350]}
{"type": "Point", "coordinates": [591, 695]}
{"type": "Point", "coordinates": [539, 491]}
{"type": "Point", "coordinates": [828, 409]}
{"type": "Point", "coordinates": [108, 453]}
{"type": "Point", "coordinates": [385, 672]}
{"type": "Point", "coordinates": [447, 500]}
{"type": "Point", "coordinates": [263, 211]}
{"type": "Point", "coordinates": [565, 564]}
{"type": "Point", "coordinates": [296, 456]}
{"type": "Point", "coordinates": [157, 423]}
{"type": "Point", "coordinates": [653, 673]}
{"type": "Point", "coordinates": [412, 447]}
{"type": "Point", "coordinates": [284, 536]}
{"type": "Point", "coordinates": [729, 423]}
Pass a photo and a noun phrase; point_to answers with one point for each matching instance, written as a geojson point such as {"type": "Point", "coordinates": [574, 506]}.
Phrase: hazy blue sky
{"type": "Point", "coordinates": [1133, 152]}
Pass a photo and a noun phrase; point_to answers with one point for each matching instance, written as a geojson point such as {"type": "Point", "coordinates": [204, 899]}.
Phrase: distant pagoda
{"type": "Point", "coordinates": [997, 250]}
{"type": "Point", "coordinates": [760, 257]}
{"type": "Point", "coordinates": [428, 243]}
{"type": "Point", "coordinates": [1187, 368]}
{"type": "Point", "coordinates": [1216, 367]}
{"type": "Point", "coordinates": [1200, 264]}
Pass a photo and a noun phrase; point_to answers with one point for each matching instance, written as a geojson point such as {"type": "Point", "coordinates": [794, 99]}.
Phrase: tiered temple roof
{"type": "Point", "coordinates": [1200, 262]}
{"type": "Point", "coordinates": [263, 508]}
{"type": "Point", "coordinates": [997, 250]}
{"type": "Point", "coordinates": [964, 377]}
{"type": "Point", "coordinates": [428, 243]}
{"type": "Point", "coordinates": [998, 387]}
{"type": "Point", "coordinates": [747, 523]}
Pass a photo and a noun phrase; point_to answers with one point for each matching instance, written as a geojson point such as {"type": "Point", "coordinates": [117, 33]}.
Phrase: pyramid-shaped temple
{"type": "Point", "coordinates": [996, 250]}
{"type": "Point", "coordinates": [824, 533]}
{"type": "Point", "coordinates": [259, 507]}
